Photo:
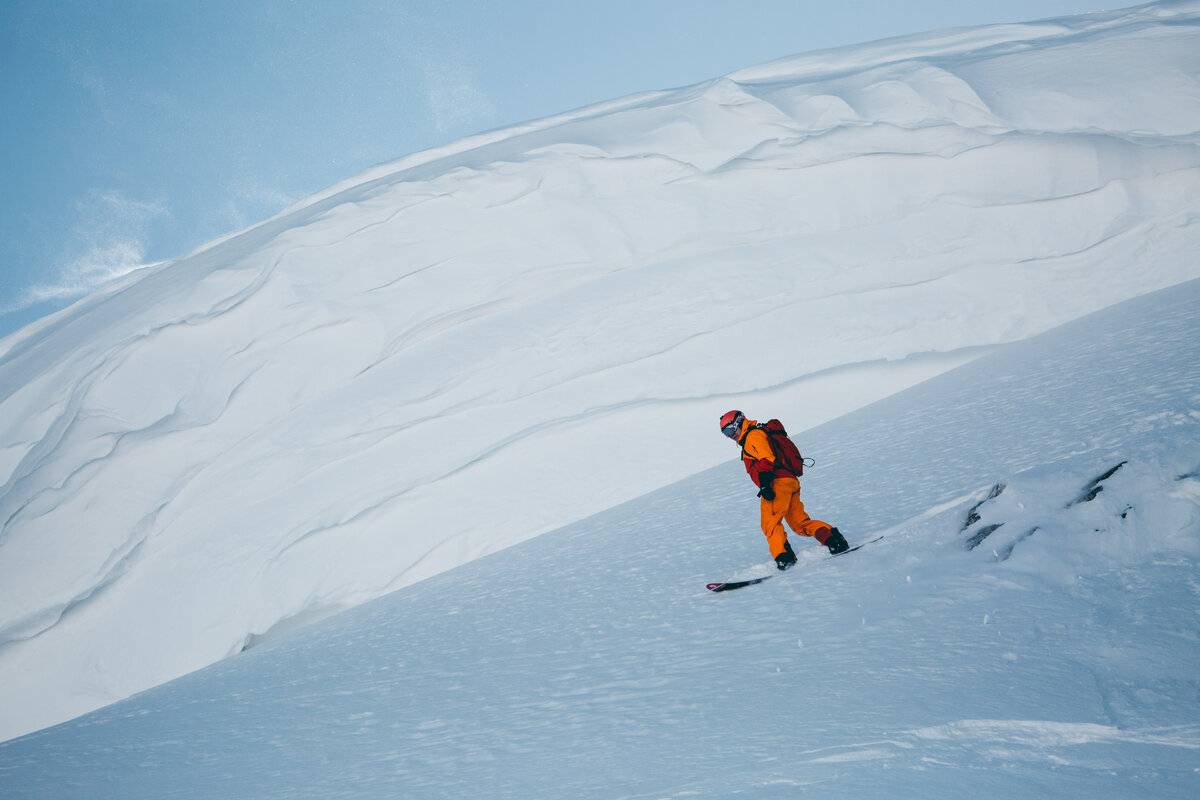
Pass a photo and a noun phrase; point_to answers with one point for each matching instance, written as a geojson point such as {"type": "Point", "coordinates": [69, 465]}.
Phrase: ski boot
{"type": "Point", "coordinates": [787, 558]}
{"type": "Point", "coordinates": [836, 542]}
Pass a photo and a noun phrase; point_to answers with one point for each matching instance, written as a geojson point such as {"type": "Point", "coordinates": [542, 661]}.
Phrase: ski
{"type": "Point", "coordinates": [727, 586]}
{"type": "Point", "coordinates": [730, 585]}
{"type": "Point", "coordinates": [864, 544]}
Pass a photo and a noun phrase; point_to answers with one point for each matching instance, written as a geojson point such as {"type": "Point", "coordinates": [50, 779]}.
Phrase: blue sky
{"type": "Point", "coordinates": [137, 130]}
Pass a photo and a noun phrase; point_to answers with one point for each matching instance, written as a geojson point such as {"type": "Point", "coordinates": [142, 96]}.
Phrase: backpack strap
{"type": "Point", "coordinates": [759, 427]}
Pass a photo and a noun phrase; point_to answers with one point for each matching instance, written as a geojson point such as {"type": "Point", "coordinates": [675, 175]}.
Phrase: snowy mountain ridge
{"type": "Point", "coordinates": [397, 377]}
{"type": "Point", "coordinates": [822, 65]}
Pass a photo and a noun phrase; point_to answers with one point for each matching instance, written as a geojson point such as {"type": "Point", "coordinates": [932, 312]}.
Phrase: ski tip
{"type": "Point", "coordinates": [726, 586]}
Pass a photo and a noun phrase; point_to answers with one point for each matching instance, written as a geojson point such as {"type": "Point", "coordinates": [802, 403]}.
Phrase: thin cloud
{"type": "Point", "coordinates": [112, 237]}
{"type": "Point", "coordinates": [455, 100]}
{"type": "Point", "coordinates": [249, 201]}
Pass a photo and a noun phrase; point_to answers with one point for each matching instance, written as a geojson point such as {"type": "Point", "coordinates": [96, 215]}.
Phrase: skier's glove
{"type": "Point", "coordinates": [766, 492]}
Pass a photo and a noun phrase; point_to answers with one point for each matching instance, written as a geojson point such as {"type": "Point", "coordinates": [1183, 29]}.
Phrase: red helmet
{"type": "Point", "coordinates": [731, 423]}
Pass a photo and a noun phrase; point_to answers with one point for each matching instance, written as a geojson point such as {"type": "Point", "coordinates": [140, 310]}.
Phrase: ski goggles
{"type": "Point", "coordinates": [732, 427]}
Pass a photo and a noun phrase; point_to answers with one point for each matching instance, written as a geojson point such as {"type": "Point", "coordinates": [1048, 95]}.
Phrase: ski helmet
{"type": "Point", "coordinates": [731, 423]}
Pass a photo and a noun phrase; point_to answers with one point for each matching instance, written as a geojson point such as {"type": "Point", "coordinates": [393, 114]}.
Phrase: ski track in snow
{"type": "Point", "coordinates": [397, 376]}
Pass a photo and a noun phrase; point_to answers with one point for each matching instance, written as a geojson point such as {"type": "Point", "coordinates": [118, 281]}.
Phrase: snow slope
{"type": "Point", "coordinates": [1056, 657]}
{"type": "Point", "coordinates": [465, 348]}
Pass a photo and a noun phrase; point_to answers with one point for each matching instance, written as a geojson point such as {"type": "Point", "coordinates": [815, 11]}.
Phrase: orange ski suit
{"type": "Point", "coordinates": [759, 458]}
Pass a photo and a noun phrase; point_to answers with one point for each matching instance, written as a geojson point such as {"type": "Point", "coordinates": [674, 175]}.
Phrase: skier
{"type": "Point", "coordinates": [779, 490]}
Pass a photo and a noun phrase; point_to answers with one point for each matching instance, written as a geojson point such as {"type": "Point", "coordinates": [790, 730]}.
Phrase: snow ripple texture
{"type": "Point", "coordinates": [1055, 657]}
{"type": "Point", "coordinates": [468, 347]}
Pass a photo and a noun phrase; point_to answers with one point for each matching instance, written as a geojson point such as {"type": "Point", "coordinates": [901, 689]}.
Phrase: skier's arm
{"type": "Point", "coordinates": [759, 458]}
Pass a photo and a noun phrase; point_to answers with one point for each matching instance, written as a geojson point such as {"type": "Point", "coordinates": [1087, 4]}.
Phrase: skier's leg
{"type": "Point", "coordinates": [793, 512]}
{"type": "Point", "coordinates": [805, 525]}
{"type": "Point", "coordinates": [772, 512]}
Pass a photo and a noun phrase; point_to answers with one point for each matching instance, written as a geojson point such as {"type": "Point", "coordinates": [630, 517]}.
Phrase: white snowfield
{"type": "Point", "coordinates": [468, 347]}
{"type": "Point", "coordinates": [1054, 656]}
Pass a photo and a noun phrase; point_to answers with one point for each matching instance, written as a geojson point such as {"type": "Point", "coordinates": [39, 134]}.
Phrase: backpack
{"type": "Point", "coordinates": [787, 455]}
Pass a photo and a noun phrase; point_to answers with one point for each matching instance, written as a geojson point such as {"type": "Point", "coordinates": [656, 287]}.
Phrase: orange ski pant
{"type": "Point", "coordinates": [787, 506]}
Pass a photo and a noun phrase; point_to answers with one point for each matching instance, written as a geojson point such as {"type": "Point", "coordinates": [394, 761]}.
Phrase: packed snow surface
{"type": "Point", "coordinates": [468, 347]}
{"type": "Point", "coordinates": [1057, 655]}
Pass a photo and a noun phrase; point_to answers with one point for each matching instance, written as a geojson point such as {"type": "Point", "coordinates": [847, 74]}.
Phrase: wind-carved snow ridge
{"type": "Point", "coordinates": [457, 351]}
